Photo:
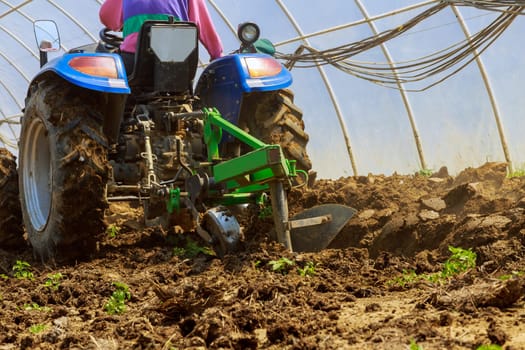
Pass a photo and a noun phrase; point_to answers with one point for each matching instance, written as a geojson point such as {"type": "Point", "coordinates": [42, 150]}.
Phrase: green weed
{"type": "Point", "coordinates": [192, 249]}
{"type": "Point", "coordinates": [4, 276]}
{"type": "Point", "coordinates": [308, 270]}
{"type": "Point", "coordinates": [519, 172]}
{"type": "Point", "coordinates": [511, 275]}
{"type": "Point", "coordinates": [489, 347]}
{"type": "Point", "coordinates": [22, 270]}
{"type": "Point", "coordinates": [282, 265]}
{"type": "Point", "coordinates": [53, 281]}
{"type": "Point", "coordinates": [426, 172]}
{"type": "Point", "coordinates": [414, 345]}
{"type": "Point", "coordinates": [35, 306]}
{"type": "Point", "coordinates": [112, 231]}
{"type": "Point", "coordinates": [460, 261]}
{"type": "Point", "coordinates": [117, 301]}
{"type": "Point", "coordinates": [408, 277]}
{"type": "Point", "coordinates": [37, 328]}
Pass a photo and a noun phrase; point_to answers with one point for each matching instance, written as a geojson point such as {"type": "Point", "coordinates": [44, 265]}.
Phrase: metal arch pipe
{"type": "Point", "coordinates": [73, 19]}
{"type": "Point", "coordinates": [13, 8]}
{"type": "Point", "coordinates": [17, 9]}
{"type": "Point", "coordinates": [356, 23]}
{"type": "Point", "coordinates": [328, 86]}
{"type": "Point", "coordinates": [225, 20]}
{"type": "Point", "coordinates": [9, 125]}
{"type": "Point", "coordinates": [11, 62]}
{"type": "Point", "coordinates": [490, 92]}
{"type": "Point", "coordinates": [404, 96]}
{"type": "Point", "coordinates": [223, 16]}
{"type": "Point", "coordinates": [4, 139]}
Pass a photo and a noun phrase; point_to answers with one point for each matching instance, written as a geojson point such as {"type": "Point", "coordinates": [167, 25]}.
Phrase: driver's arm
{"type": "Point", "coordinates": [198, 13]}
{"type": "Point", "coordinates": [111, 14]}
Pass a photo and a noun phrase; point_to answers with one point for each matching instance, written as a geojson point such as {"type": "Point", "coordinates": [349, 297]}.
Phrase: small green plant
{"type": "Point", "coordinates": [22, 270]}
{"type": "Point", "coordinates": [4, 276]}
{"type": "Point", "coordinates": [192, 249]}
{"type": "Point", "coordinates": [489, 347]}
{"type": "Point", "coordinates": [112, 231]}
{"type": "Point", "coordinates": [461, 260]}
{"type": "Point", "coordinates": [37, 328]}
{"type": "Point", "coordinates": [53, 281]}
{"type": "Point", "coordinates": [265, 212]}
{"type": "Point", "coordinates": [265, 207]}
{"type": "Point", "coordinates": [117, 301]}
{"type": "Point", "coordinates": [520, 172]}
{"type": "Point", "coordinates": [307, 270]}
{"type": "Point", "coordinates": [511, 275]}
{"type": "Point", "coordinates": [426, 172]}
{"type": "Point", "coordinates": [414, 345]}
{"type": "Point", "coordinates": [282, 265]}
{"type": "Point", "coordinates": [34, 306]}
{"type": "Point", "coordinates": [408, 277]}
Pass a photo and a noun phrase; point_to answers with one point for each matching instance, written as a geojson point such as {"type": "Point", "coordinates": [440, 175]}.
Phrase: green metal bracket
{"type": "Point", "coordinates": [250, 172]}
{"type": "Point", "coordinates": [213, 117]}
{"type": "Point", "coordinates": [173, 200]}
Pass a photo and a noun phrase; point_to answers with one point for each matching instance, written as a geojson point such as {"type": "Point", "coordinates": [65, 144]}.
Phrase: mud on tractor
{"type": "Point", "coordinates": [92, 134]}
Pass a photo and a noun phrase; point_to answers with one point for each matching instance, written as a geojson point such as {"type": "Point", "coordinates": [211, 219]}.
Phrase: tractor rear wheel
{"type": "Point", "coordinates": [11, 230]}
{"type": "Point", "coordinates": [273, 118]}
{"type": "Point", "coordinates": [63, 170]}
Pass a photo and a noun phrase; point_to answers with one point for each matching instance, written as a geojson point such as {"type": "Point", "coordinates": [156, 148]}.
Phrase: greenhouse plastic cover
{"type": "Point", "coordinates": [462, 115]}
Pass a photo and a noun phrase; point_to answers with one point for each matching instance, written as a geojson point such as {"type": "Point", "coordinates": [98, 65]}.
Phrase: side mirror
{"type": "Point", "coordinates": [47, 38]}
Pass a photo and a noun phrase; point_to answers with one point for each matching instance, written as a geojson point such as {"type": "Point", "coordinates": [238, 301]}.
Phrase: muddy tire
{"type": "Point", "coordinates": [63, 171]}
{"type": "Point", "coordinates": [273, 118]}
{"type": "Point", "coordinates": [11, 229]}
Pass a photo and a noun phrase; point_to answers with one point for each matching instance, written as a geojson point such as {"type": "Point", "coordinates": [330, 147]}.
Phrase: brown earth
{"type": "Point", "coordinates": [362, 295]}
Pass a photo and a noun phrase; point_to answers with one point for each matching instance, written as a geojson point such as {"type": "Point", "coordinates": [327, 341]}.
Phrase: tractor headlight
{"type": "Point", "coordinates": [248, 33]}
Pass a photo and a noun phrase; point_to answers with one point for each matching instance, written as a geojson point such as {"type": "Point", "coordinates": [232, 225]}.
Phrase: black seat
{"type": "Point", "coordinates": [152, 73]}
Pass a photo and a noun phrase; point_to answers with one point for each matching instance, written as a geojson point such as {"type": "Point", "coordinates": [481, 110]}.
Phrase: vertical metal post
{"type": "Point", "coordinates": [403, 93]}
{"type": "Point", "coordinates": [488, 86]}
{"type": "Point", "coordinates": [331, 93]}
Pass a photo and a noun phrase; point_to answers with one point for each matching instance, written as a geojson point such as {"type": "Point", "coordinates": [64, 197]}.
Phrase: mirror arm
{"type": "Point", "coordinates": [43, 58]}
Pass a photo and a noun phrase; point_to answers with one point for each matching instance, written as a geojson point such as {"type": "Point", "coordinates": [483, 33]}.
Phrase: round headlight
{"type": "Point", "coordinates": [248, 33]}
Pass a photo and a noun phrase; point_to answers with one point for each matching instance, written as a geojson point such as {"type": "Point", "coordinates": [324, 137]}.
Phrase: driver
{"type": "Point", "coordinates": [129, 15]}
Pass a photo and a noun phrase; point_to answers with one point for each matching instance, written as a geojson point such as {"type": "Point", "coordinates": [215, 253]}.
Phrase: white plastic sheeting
{"type": "Point", "coordinates": [356, 126]}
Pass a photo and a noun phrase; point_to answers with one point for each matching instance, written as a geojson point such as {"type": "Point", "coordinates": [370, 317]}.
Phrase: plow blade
{"type": "Point", "coordinates": [312, 230]}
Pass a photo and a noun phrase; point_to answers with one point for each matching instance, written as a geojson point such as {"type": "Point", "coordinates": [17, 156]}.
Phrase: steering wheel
{"type": "Point", "coordinates": [110, 40]}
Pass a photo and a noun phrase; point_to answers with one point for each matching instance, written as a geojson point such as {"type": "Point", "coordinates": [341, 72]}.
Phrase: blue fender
{"type": "Point", "coordinates": [225, 80]}
{"type": "Point", "coordinates": [61, 67]}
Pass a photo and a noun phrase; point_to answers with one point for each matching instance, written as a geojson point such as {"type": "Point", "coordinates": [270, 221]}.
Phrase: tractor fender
{"type": "Point", "coordinates": [115, 89]}
{"type": "Point", "coordinates": [224, 81]}
{"type": "Point", "coordinates": [63, 67]}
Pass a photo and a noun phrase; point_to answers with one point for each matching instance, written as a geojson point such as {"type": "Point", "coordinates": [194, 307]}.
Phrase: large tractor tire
{"type": "Point", "coordinates": [63, 170]}
{"type": "Point", "coordinates": [11, 229]}
{"type": "Point", "coordinates": [273, 118]}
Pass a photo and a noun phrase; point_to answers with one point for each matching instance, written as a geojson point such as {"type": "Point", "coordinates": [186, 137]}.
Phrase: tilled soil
{"type": "Point", "coordinates": [365, 292]}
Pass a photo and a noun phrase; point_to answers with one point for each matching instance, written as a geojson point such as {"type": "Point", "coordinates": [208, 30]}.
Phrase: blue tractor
{"type": "Point", "coordinates": [189, 152]}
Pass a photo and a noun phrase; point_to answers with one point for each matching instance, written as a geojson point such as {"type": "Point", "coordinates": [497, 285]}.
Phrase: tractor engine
{"type": "Point", "coordinates": [158, 142]}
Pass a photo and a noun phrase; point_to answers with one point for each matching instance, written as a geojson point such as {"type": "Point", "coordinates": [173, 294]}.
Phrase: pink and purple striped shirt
{"type": "Point", "coordinates": [128, 16]}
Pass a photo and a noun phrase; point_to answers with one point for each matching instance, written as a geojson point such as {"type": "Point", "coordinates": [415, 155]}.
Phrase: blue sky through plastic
{"type": "Point", "coordinates": [454, 120]}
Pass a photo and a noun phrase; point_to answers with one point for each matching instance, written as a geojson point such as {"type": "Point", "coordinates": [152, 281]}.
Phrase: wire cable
{"type": "Point", "coordinates": [445, 62]}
